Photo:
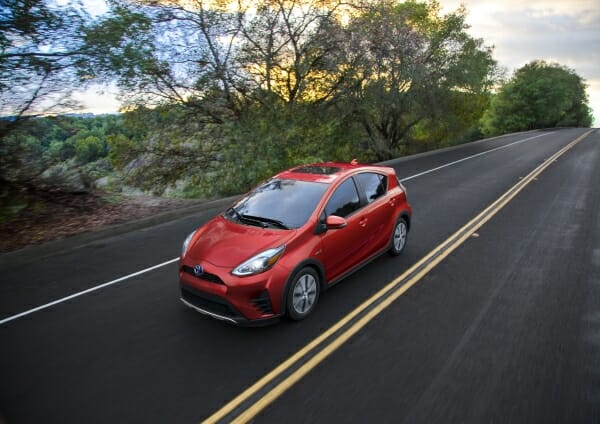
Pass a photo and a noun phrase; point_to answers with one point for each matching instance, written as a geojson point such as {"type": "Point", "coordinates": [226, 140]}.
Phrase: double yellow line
{"type": "Point", "coordinates": [257, 397]}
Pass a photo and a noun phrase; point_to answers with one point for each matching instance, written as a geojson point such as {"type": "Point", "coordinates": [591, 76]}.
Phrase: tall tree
{"type": "Point", "coordinates": [169, 52]}
{"type": "Point", "coordinates": [414, 66]}
{"type": "Point", "coordinates": [174, 64]}
{"type": "Point", "coordinates": [539, 95]}
{"type": "Point", "coordinates": [290, 49]}
{"type": "Point", "coordinates": [41, 47]}
{"type": "Point", "coordinates": [41, 50]}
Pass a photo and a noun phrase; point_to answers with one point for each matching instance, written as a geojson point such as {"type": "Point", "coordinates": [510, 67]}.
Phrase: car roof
{"type": "Point", "coordinates": [328, 172]}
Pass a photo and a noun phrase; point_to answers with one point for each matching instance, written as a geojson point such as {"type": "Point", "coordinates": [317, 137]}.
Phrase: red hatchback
{"type": "Point", "coordinates": [278, 247]}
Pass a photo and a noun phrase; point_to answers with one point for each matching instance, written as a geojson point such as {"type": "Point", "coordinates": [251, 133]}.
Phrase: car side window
{"type": "Point", "coordinates": [374, 185]}
{"type": "Point", "coordinates": [344, 200]}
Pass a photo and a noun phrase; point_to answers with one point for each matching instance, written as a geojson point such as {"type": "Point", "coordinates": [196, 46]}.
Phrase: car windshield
{"type": "Point", "coordinates": [278, 203]}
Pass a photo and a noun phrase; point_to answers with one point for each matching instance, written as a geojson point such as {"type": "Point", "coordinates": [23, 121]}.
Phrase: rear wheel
{"type": "Point", "coordinates": [303, 294]}
{"type": "Point", "coordinates": [399, 237]}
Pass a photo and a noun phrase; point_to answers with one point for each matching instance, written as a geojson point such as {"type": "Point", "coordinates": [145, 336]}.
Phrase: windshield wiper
{"type": "Point", "coordinates": [266, 221]}
{"type": "Point", "coordinates": [259, 221]}
{"type": "Point", "coordinates": [247, 219]}
{"type": "Point", "coordinates": [232, 212]}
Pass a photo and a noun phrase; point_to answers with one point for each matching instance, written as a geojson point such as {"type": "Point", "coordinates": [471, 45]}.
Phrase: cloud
{"type": "Point", "coordinates": [98, 99]}
{"type": "Point", "coordinates": [567, 32]}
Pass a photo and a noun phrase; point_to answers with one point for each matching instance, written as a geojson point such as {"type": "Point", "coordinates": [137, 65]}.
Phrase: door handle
{"type": "Point", "coordinates": [363, 222]}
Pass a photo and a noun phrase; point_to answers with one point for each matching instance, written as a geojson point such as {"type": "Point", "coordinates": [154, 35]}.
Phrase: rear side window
{"type": "Point", "coordinates": [344, 200]}
{"type": "Point", "coordinates": [374, 185]}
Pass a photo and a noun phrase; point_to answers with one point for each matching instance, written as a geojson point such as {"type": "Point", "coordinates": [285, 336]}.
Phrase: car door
{"type": "Point", "coordinates": [343, 248]}
{"type": "Point", "coordinates": [378, 213]}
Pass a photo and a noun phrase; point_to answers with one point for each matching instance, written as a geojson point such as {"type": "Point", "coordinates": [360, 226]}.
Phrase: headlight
{"type": "Point", "coordinates": [259, 263]}
{"type": "Point", "coordinates": [186, 242]}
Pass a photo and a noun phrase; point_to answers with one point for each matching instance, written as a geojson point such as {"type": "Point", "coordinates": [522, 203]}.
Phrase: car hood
{"type": "Point", "coordinates": [227, 244]}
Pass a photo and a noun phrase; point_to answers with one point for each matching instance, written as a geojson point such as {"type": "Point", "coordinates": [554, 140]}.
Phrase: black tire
{"type": "Point", "coordinates": [303, 294]}
{"type": "Point", "coordinates": [399, 237]}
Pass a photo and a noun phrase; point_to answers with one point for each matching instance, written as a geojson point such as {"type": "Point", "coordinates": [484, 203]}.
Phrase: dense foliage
{"type": "Point", "coordinates": [273, 83]}
{"type": "Point", "coordinates": [539, 95]}
{"type": "Point", "coordinates": [60, 151]}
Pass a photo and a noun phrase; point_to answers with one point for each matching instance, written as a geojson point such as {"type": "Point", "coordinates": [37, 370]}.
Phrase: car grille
{"type": "Point", "coordinates": [211, 278]}
{"type": "Point", "coordinates": [262, 302]}
{"type": "Point", "coordinates": [210, 303]}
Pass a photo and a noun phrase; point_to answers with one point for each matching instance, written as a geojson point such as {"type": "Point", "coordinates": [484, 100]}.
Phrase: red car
{"type": "Point", "coordinates": [278, 247]}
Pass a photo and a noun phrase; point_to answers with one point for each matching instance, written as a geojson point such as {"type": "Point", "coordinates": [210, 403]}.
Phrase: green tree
{"type": "Point", "coordinates": [167, 53]}
{"type": "Point", "coordinates": [89, 149]}
{"type": "Point", "coordinates": [41, 46]}
{"type": "Point", "coordinates": [418, 73]}
{"type": "Point", "coordinates": [41, 52]}
{"type": "Point", "coordinates": [291, 51]}
{"type": "Point", "coordinates": [162, 145]}
{"type": "Point", "coordinates": [539, 95]}
{"type": "Point", "coordinates": [19, 172]}
{"type": "Point", "coordinates": [58, 151]}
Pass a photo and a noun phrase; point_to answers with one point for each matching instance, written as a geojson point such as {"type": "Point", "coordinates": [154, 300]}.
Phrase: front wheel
{"type": "Point", "coordinates": [399, 237]}
{"type": "Point", "coordinates": [303, 294]}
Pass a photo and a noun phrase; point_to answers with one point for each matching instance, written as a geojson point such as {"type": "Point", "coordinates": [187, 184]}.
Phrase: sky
{"type": "Point", "coordinates": [562, 31]}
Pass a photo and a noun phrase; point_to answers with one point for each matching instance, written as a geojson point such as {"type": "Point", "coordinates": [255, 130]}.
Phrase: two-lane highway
{"type": "Point", "coordinates": [506, 328]}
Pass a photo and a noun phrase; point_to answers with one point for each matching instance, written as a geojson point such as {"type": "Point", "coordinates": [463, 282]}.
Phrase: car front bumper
{"type": "Point", "coordinates": [239, 300]}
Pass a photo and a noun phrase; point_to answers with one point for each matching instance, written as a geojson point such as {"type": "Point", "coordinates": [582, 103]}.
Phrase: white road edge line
{"type": "Point", "coordinates": [473, 156]}
{"type": "Point", "coordinates": [152, 268]}
{"type": "Point", "coordinates": [81, 293]}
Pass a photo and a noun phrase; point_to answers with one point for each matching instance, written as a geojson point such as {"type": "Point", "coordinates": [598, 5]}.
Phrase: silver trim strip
{"type": "Point", "coordinates": [202, 311]}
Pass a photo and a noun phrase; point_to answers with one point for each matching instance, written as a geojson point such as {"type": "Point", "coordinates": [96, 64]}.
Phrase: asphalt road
{"type": "Point", "coordinates": [506, 328]}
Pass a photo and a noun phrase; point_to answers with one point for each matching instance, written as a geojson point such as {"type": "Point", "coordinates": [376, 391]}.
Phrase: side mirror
{"type": "Point", "coordinates": [335, 222]}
